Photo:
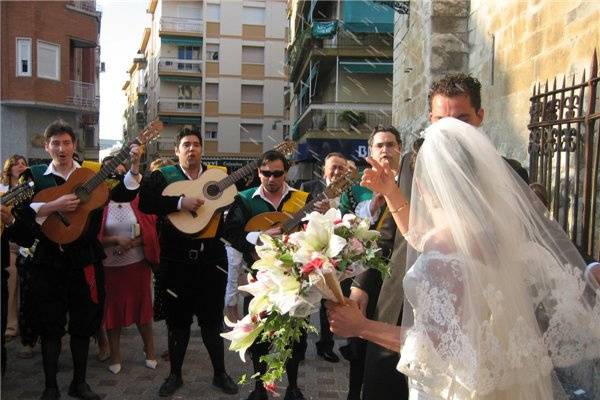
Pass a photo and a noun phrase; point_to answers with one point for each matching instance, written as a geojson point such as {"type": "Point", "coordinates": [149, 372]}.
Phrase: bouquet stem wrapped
{"type": "Point", "coordinates": [291, 277]}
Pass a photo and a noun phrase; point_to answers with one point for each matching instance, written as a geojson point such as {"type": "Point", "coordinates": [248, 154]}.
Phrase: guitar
{"type": "Point", "coordinates": [16, 196]}
{"type": "Point", "coordinates": [90, 189]}
{"type": "Point", "coordinates": [216, 188]}
{"type": "Point", "coordinates": [289, 222]}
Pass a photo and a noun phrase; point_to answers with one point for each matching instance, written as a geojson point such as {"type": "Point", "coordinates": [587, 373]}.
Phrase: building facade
{"type": "Point", "coordinates": [219, 66]}
{"type": "Point", "coordinates": [51, 63]}
{"type": "Point", "coordinates": [340, 67]}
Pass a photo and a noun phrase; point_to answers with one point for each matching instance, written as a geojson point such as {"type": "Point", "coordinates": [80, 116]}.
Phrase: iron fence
{"type": "Point", "coordinates": [564, 149]}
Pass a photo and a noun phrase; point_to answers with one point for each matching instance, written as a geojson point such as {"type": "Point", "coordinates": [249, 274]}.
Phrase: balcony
{"type": "Point", "coordinates": [181, 26]}
{"type": "Point", "coordinates": [179, 67]}
{"type": "Point", "coordinates": [330, 38]}
{"type": "Point", "coordinates": [184, 107]}
{"type": "Point", "coordinates": [336, 117]}
{"type": "Point", "coordinates": [83, 95]}
{"type": "Point", "coordinates": [84, 6]}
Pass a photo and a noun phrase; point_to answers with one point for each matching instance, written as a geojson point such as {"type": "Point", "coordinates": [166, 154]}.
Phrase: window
{"type": "Point", "coordinates": [48, 60]}
{"type": "Point", "coordinates": [254, 16]}
{"type": "Point", "coordinates": [253, 54]}
{"type": "Point", "coordinates": [23, 57]}
{"type": "Point", "coordinates": [212, 51]}
{"type": "Point", "coordinates": [188, 53]}
{"type": "Point", "coordinates": [192, 94]}
{"type": "Point", "coordinates": [251, 133]}
{"type": "Point", "coordinates": [213, 12]}
{"type": "Point", "coordinates": [252, 94]}
{"type": "Point", "coordinates": [212, 91]}
{"type": "Point", "coordinates": [211, 130]}
{"type": "Point", "coordinates": [89, 133]}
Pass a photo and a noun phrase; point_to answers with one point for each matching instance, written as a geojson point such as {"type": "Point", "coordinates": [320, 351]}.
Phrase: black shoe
{"type": "Point", "coordinates": [82, 391]}
{"type": "Point", "coordinates": [328, 355]}
{"type": "Point", "coordinates": [225, 383]}
{"type": "Point", "coordinates": [170, 385]}
{"type": "Point", "coordinates": [258, 394]}
{"type": "Point", "coordinates": [293, 394]}
{"type": "Point", "coordinates": [50, 394]}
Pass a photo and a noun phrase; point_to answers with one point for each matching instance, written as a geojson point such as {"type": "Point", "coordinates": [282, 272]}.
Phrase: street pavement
{"type": "Point", "coordinates": [24, 379]}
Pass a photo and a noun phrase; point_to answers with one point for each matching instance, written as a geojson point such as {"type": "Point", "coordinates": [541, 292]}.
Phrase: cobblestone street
{"type": "Point", "coordinates": [24, 379]}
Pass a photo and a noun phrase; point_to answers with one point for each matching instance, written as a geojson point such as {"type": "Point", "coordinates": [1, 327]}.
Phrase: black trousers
{"type": "Point", "coordinates": [58, 292]}
{"type": "Point", "coordinates": [382, 380]}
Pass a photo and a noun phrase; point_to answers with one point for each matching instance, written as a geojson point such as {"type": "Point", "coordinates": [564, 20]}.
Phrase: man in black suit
{"type": "Point", "coordinates": [457, 96]}
{"type": "Point", "coordinates": [335, 166]}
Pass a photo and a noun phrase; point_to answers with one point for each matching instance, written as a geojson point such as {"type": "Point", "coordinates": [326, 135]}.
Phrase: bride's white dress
{"type": "Point", "coordinates": [461, 346]}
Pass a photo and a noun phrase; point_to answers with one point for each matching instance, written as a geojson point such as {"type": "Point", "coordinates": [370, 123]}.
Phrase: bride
{"type": "Point", "coordinates": [496, 301]}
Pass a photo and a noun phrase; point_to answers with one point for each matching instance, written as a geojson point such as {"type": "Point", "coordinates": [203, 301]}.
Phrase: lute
{"type": "Point", "coordinates": [216, 188]}
{"type": "Point", "coordinates": [90, 188]}
{"type": "Point", "coordinates": [289, 222]}
{"type": "Point", "coordinates": [16, 196]}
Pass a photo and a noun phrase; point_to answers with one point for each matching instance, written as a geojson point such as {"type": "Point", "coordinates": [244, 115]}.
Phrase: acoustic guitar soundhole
{"type": "Point", "coordinates": [211, 190]}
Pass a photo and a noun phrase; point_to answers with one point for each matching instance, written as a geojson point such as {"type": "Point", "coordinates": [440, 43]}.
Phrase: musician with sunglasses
{"type": "Point", "coordinates": [273, 194]}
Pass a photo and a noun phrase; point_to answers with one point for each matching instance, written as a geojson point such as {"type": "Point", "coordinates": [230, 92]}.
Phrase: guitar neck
{"type": "Point", "coordinates": [296, 219]}
{"type": "Point", "coordinates": [109, 168]}
{"type": "Point", "coordinates": [237, 175]}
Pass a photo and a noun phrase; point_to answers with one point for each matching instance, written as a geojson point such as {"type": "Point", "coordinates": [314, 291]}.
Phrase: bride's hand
{"type": "Point", "coordinates": [379, 178]}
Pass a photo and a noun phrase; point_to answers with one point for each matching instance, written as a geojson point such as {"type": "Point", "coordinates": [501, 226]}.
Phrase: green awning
{"type": "Point", "coordinates": [181, 79]}
{"type": "Point", "coordinates": [181, 41]}
{"type": "Point", "coordinates": [367, 67]}
{"type": "Point", "coordinates": [366, 16]}
{"type": "Point", "coordinates": [181, 120]}
{"type": "Point", "coordinates": [324, 29]}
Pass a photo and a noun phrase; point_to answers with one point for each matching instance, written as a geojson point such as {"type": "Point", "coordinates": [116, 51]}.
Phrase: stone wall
{"type": "Point", "coordinates": [508, 46]}
{"type": "Point", "coordinates": [428, 43]}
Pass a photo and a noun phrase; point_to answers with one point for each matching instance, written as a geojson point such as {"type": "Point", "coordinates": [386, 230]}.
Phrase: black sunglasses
{"type": "Point", "coordinates": [268, 174]}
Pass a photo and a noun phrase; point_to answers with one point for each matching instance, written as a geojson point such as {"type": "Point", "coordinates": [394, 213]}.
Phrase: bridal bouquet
{"type": "Point", "coordinates": [291, 277]}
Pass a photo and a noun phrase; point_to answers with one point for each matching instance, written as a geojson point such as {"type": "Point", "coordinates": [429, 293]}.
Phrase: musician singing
{"type": "Point", "coordinates": [273, 194]}
{"type": "Point", "coordinates": [68, 279]}
{"type": "Point", "coordinates": [193, 269]}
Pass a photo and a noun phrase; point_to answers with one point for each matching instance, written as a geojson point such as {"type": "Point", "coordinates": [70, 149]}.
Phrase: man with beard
{"type": "Point", "coordinates": [273, 194]}
{"type": "Point", "coordinates": [191, 268]}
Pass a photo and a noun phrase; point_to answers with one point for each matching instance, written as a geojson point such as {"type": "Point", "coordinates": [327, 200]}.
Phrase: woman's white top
{"type": "Point", "coordinates": [121, 221]}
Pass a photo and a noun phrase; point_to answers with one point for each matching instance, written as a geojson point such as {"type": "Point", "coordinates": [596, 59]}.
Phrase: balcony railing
{"type": "Point", "coordinates": [179, 65]}
{"type": "Point", "coordinates": [83, 95]}
{"type": "Point", "coordinates": [181, 25]}
{"type": "Point", "coordinates": [331, 116]}
{"type": "Point", "coordinates": [88, 6]}
{"type": "Point", "coordinates": [186, 106]}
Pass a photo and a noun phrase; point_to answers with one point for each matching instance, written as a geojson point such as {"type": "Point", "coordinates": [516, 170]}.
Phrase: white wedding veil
{"type": "Point", "coordinates": [496, 303]}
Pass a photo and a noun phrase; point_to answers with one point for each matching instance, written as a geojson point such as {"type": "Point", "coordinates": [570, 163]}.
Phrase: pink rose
{"type": "Point", "coordinates": [355, 246]}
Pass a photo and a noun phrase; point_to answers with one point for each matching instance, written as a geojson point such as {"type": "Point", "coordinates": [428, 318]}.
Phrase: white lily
{"type": "Point", "coordinates": [243, 334]}
{"type": "Point", "coordinates": [319, 237]}
{"type": "Point", "coordinates": [268, 249]}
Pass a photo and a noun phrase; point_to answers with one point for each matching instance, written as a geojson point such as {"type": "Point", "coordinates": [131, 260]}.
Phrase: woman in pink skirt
{"type": "Point", "coordinates": [131, 246]}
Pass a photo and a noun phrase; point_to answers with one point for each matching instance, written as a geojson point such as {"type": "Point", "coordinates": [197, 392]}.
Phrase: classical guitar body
{"type": "Point", "coordinates": [267, 220]}
{"type": "Point", "coordinates": [205, 187]}
{"type": "Point", "coordinates": [54, 227]}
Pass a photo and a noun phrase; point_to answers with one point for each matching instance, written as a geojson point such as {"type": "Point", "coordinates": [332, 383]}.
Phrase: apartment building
{"type": "Point", "coordinates": [218, 65]}
{"type": "Point", "coordinates": [51, 63]}
{"type": "Point", "coordinates": [135, 88]}
{"type": "Point", "coordinates": [340, 67]}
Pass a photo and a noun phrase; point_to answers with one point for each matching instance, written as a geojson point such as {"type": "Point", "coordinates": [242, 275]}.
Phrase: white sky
{"type": "Point", "coordinates": [123, 22]}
